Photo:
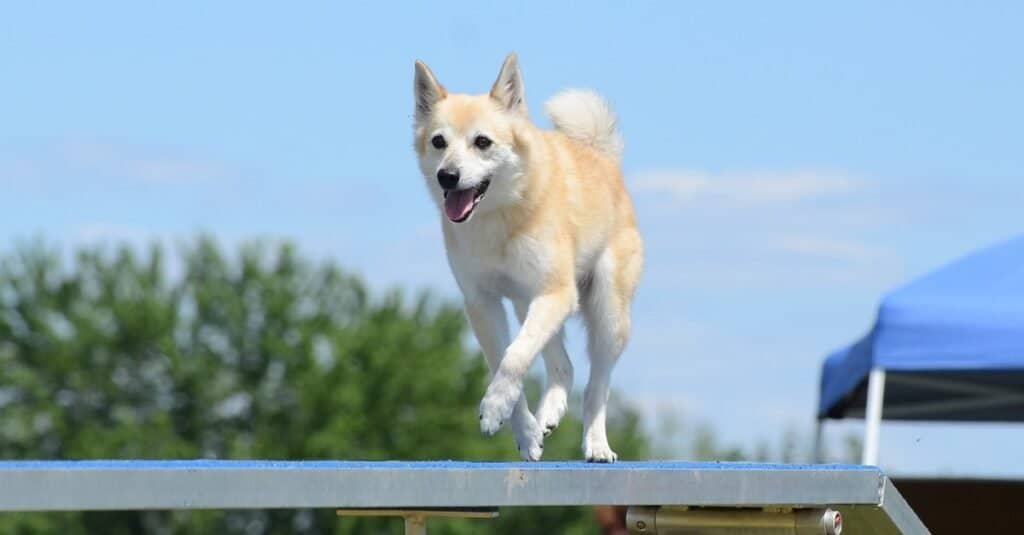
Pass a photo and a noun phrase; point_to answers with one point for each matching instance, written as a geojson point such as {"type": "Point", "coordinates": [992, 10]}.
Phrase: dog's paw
{"type": "Point", "coordinates": [530, 440]}
{"type": "Point", "coordinates": [498, 403]}
{"type": "Point", "coordinates": [599, 453]}
{"type": "Point", "coordinates": [490, 423]}
{"type": "Point", "coordinates": [551, 410]}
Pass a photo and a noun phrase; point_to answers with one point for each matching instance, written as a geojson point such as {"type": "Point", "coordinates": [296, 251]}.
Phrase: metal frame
{"type": "Point", "coordinates": [416, 519]}
{"type": "Point", "coordinates": [873, 416]}
{"type": "Point", "coordinates": [980, 396]}
{"type": "Point", "coordinates": [974, 397]}
{"type": "Point", "coordinates": [687, 521]}
{"type": "Point", "coordinates": [864, 495]}
{"type": "Point", "coordinates": [872, 421]}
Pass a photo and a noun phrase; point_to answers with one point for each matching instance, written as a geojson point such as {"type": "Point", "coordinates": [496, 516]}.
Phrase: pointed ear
{"type": "Point", "coordinates": [508, 88]}
{"type": "Point", "coordinates": [427, 89]}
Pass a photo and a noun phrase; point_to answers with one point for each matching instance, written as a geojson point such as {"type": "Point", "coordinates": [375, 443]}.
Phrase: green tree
{"type": "Point", "coordinates": [263, 354]}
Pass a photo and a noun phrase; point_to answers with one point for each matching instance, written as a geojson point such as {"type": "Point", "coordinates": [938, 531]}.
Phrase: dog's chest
{"type": "Point", "coordinates": [486, 257]}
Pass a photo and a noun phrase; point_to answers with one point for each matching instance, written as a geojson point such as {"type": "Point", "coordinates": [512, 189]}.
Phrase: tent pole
{"type": "Point", "coordinates": [819, 423]}
{"type": "Point", "coordinates": [873, 416]}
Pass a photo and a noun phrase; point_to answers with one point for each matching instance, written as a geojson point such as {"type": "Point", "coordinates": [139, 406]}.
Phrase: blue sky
{"type": "Point", "coordinates": [789, 161]}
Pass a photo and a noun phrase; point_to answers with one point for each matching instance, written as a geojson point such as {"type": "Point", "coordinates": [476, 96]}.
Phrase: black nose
{"type": "Point", "coordinates": [448, 179]}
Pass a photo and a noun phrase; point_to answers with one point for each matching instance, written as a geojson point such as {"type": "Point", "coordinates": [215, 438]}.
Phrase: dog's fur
{"type": "Point", "coordinates": [553, 231]}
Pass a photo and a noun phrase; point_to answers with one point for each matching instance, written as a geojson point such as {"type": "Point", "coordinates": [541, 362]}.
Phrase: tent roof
{"type": "Point", "coordinates": [951, 342]}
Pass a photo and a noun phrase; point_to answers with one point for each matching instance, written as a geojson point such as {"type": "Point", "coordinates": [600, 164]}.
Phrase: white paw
{"type": "Point", "coordinates": [595, 452]}
{"type": "Point", "coordinates": [552, 409]}
{"type": "Point", "coordinates": [530, 440]}
{"type": "Point", "coordinates": [498, 403]}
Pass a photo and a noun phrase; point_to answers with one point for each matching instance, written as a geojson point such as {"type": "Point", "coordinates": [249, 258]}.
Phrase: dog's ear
{"type": "Point", "coordinates": [427, 89]}
{"type": "Point", "coordinates": [508, 88]}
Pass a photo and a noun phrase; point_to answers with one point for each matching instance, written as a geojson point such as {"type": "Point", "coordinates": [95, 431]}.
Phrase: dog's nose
{"type": "Point", "coordinates": [448, 179]}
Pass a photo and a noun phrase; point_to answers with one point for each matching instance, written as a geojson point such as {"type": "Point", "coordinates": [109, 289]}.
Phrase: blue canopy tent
{"type": "Point", "coordinates": [948, 346]}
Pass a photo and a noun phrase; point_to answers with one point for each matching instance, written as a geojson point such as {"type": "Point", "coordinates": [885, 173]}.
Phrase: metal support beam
{"type": "Point", "coordinates": [415, 525]}
{"type": "Point", "coordinates": [685, 520]}
{"type": "Point", "coordinates": [208, 484]}
{"type": "Point", "coordinates": [416, 519]}
{"type": "Point", "coordinates": [416, 490]}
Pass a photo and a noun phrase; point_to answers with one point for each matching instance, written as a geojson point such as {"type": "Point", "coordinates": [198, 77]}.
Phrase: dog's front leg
{"type": "Point", "coordinates": [545, 316]}
{"type": "Point", "coordinates": [488, 320]}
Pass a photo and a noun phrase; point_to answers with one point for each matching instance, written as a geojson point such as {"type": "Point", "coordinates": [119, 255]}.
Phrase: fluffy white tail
{"type": "Point", "coordinates": [584, 116]}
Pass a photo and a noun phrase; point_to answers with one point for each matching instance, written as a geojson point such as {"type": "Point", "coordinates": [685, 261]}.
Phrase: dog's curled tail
{"type": "Point", "coordinates": [584, 116]}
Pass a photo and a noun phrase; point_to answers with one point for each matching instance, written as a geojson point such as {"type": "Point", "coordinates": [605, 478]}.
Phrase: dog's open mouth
{"type": "Point", "coordinates": [459, 204]}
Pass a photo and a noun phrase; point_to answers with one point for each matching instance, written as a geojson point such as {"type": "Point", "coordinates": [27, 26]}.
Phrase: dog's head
{"type": "Point", "coordinates": [469, 152]}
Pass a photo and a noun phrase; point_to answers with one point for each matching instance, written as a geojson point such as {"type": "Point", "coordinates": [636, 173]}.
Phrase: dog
{"type": "Point", "coordinates": [541, 218]}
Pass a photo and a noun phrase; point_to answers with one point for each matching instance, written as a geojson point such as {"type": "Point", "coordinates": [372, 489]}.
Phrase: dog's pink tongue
{"type": "Point", "coordinates": [458, 204]}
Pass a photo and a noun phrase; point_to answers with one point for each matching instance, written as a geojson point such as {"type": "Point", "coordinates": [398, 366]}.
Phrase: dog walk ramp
{"type": "Point", "coordinates": [663, 497]}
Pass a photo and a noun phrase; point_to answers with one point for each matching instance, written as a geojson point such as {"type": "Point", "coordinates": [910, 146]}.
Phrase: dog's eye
{"type": "Point", "coordinates": [482, 142]}
{"type": "Point", "coordinates": [438, 142]}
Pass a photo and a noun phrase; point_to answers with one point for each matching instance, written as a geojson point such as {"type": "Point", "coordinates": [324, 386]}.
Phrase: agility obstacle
{"type": "Point", "coordinates": [663, 497]}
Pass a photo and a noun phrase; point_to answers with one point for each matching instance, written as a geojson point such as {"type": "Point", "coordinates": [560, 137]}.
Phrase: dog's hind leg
{"type": "Point", "coordinates": [606, 312]}
{"type": "Point", "coordinates": [490, 326]}
{"type": "Point", "coordinates": [555, 399]}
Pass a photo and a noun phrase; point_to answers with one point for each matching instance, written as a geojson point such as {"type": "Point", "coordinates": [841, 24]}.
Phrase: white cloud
{"type": "Point", "coordinates": [763, 230]}
{"type": "Point", "coordinates": [756, 187]}
{"type": "Point", "coordinates": [827, 247]}
{"type": "Point", "coordinates": [94, 162]}
{"type": "Point", "coordinates": [151, 166]}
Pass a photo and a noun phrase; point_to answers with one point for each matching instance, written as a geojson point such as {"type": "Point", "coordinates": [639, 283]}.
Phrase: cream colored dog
{"type": "Point", "coordinates": [541, 218]}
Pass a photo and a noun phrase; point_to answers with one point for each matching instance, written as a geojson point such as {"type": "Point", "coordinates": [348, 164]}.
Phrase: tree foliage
{"type": "Point", "coordinates": [117, 353]}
